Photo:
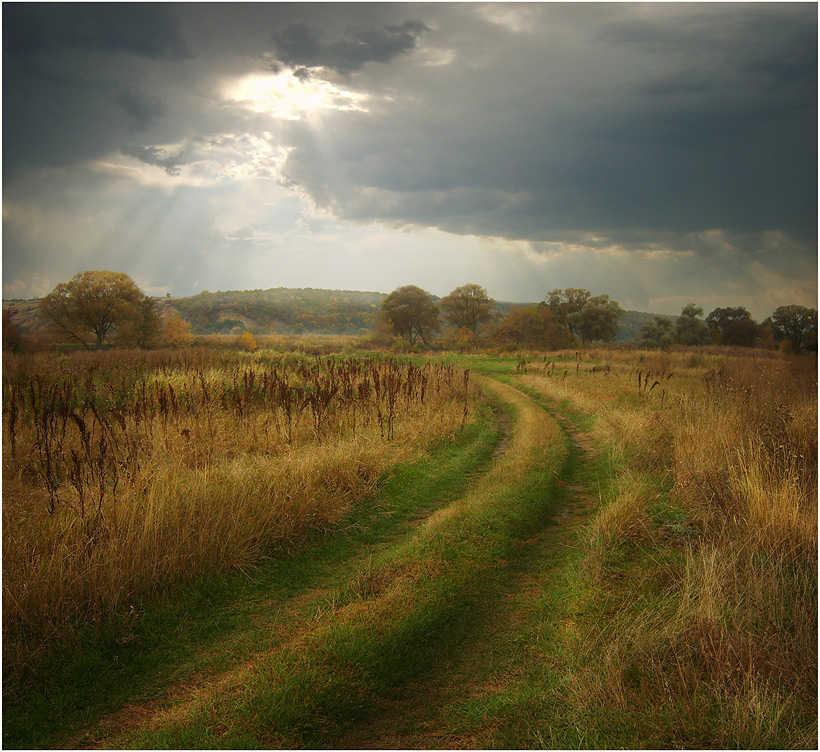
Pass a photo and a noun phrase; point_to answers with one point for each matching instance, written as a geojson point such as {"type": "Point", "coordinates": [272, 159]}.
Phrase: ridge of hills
{"type": "Point", "coordinates": [285, 310]}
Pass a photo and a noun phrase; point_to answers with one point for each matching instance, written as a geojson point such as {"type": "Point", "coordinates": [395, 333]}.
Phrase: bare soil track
{"type": "Point", "coordinates": [431, 709]}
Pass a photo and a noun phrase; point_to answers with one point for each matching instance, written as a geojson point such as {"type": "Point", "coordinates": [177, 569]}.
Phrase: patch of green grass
{"type": "Point", "coordinates": [211, 624]}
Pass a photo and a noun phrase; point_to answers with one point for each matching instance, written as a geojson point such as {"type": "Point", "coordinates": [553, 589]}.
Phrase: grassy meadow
{"type": "Point", "coordinates": [606, 547]}
{"type": "Point", "coordinates": [125, 473]}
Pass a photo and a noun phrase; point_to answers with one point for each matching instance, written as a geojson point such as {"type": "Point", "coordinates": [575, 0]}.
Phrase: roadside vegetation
{"type": "Point", "coordinates": [699, 580]}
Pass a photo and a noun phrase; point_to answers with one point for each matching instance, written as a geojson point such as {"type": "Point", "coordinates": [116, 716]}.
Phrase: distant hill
{"type": "Point", "coordinates": [279, 310]}
{"type": "Point", "coordinates": [283, 310]}
{"type": "Point", "coordinates": [631, 323]}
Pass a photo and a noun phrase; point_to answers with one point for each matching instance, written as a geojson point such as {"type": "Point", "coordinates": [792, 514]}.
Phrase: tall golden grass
{"type": "Point", "coordinates": [125, 473]}
{"type": "Point", "coordinates": [703, 559]}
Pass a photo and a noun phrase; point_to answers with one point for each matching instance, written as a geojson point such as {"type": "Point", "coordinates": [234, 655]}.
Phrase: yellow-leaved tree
{"type": "Point", "coordinates": [178, 332]}
{"type": "Point", "coordinates": [247, 342]}
{"type": "Point", "coordinates": [92, 304]}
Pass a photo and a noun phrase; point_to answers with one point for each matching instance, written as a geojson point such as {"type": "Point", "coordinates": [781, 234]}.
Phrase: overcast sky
{"type": "Point", "coordinates": [661, 153]}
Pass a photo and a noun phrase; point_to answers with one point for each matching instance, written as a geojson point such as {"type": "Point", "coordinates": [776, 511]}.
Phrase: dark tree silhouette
{"type": "Point", "coordinates": [797, 324]}
{"type": "Point", "coordinates": [733, 326]}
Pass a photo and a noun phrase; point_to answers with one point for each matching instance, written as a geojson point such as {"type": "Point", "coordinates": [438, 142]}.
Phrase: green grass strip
{"type": "Point", "coordinates": [405, 610]}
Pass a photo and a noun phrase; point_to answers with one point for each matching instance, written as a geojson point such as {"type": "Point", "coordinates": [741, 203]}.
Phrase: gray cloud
{"type": "Point", "coordinates": [552, 135]}
{"type": "Point", "coordinates": [303, 45]}
{"type": "Point", "coordinates": [146, 29]}
{"type": "Point", "coordinates": [143, 108]}
{"type": "Point", "coordinates": [69, 90]}
{"type": "Point", "coordinates": [153, 156]}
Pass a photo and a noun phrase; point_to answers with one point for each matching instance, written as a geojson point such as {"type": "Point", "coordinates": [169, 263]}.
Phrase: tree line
{"type": "Point", "coordinates": [469, 317]}
{"type": "Point", "coordinates": [96, 305]}
{"type": "Point", "coordinates": [567, 316]}
{"type": "Point", "coordinates": [792, 328]}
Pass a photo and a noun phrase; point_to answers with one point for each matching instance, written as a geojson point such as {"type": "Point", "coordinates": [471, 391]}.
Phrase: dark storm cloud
{"type": "Point", "coordinates": [148, 30]}
{"type": "Point", "coordinates": [153, 156]}
{"type": "Point", "coordinates": [614, 130]}
{"type": "Point", "coordinates": [63, 100]}
{"type": "Point", "coordinates": [143, 108]}
{"type": "Point", "coordinates": [303, 45]}
{"type": "Point", "coordinates": [684, 121]}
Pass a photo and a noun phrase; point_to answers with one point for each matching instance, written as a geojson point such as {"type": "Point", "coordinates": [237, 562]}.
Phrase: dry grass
{"type": "Point", "coordinates": [124, 474]}
{"type": "Point", "coordinates": [703, 560]}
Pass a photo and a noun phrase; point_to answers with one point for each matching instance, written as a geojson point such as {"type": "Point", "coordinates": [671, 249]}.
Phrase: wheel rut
{"type": "Point", "coordinates": [493, 660]}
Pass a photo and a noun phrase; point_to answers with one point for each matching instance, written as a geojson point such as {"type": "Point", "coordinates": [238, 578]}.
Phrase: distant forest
{"type": "Point", "coordinates": [284, 310]}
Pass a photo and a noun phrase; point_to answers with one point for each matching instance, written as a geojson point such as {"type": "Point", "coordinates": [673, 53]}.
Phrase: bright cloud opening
{"type": "Point", "coordinates": [286, 96]}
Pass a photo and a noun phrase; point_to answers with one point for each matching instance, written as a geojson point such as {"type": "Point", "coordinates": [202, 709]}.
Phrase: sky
{"type": "Point", "coordinates": [661, 153]}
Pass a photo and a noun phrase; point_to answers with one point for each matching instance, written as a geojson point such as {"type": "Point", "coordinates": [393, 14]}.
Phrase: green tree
{"type": "Point", "coordinates": [532, 326]}
{"type": "Point", "coordinates": [597, 321]}
{"type": "Point", "coordinates": [795, 324]}
{"type": "Point", "coordinates": [690, 328]}
{"type": "Point", "coordinates": [658, 333]}
{"type": "Point", "coordinates": [467, 307]}
{"type": "Point", "coordinates": [93, 303]}
{"type": "Point", "coordinates": [733, 326]}
{"type": "Point", "coordinates": [565, 305]}
{"type": "Point", "coordinates": [412, 313]}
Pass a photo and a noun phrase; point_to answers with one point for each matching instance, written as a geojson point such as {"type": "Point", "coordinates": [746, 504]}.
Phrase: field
{"type": "Point", "coordinates": [601, 548]}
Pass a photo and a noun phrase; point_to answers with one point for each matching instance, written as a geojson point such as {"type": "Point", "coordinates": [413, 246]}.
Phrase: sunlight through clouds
{"type": "Point", "coordinates": [285, 95]}
{"type": "Point", "coordinates": [199, 162]}
{"type": "Point", "coordinates": [659, 154]}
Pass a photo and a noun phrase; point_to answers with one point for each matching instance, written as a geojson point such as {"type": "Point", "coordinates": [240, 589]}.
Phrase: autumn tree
{"type": "Point", "coordinates": [412, 313]}
{"type": "Point", "coordinates": [597, 321]}
{"type": "Point", "coordinates": [565, 305]}
{"type": "Point", "coordinates": [690, 328]}
{"type": "Point", "coordinates": [532, 326]}
{"type": "Point", "coordinates": [142, 331]}
{"type": "Point", "coordinates": [178, 332]}
{"type": "Point", "coordinates": [247, 341]}
{"type": "Point", "coordinates": [93, 303]}
{"type": "Point", "coordinates": [795, 324]}
{"type": "Point", "coordinates": [467, 307]}
{"type": "Point", "coordinates": [658, 333]}
{"type": "Point", "coordinates": [733, 326]}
